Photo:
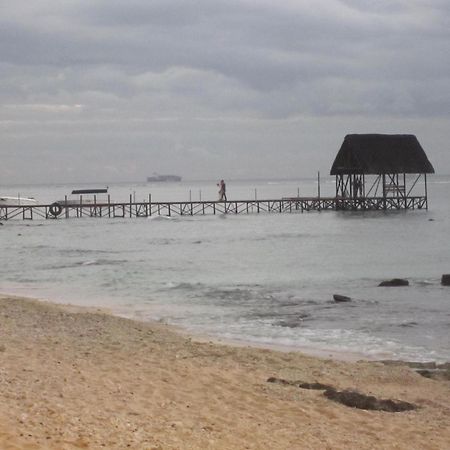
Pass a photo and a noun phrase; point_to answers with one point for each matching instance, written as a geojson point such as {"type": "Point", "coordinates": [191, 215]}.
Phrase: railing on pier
{"type": "Point", "coordinates": [194, 208]}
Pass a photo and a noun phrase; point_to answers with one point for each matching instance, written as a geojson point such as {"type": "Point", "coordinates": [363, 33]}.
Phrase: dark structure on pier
{"type": "Point", "coordinates": [381, 171]}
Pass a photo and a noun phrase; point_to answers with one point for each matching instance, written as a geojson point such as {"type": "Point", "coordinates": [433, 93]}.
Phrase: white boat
{"type": "Point", "coordinates": [17, 201]}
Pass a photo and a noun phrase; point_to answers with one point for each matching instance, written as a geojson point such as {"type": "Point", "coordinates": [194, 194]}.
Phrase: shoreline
{"type": "Point", "coordinates": [315, 352]}
{"type": "Point", "coordinates": [201, 337]}
{"type": "Point", "coordinates": [320, 352]}
{"type": "Point", "coordinates": [73, 377]}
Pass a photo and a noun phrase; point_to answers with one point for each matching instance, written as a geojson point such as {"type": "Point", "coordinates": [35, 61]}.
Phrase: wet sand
{"type": "Point", "coordinates": [75, 378]}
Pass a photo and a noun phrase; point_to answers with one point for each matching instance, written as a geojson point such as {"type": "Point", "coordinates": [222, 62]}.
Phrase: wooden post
{"type": "Point", "coordinates": [404, 184]}
{"type": "Point", "coordinates": [150, 203]}
{"type": "Point", "coordinates": [131, 205]}
{"type": "Point", "coordinates": [426, 191]}
{"type": "Point", "coordinates": [318, 189]}
{"type": "Point", "coordinates": [318, 185]}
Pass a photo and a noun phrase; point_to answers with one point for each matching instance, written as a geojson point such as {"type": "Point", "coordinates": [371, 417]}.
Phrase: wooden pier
{"type": "Point", "coordinates": [132, 209]}
{"type": "Point", "coordinates": [374, 172]}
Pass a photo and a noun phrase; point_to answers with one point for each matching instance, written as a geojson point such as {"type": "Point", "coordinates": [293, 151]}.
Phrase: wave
{"type": "Point", "coordinates": [408, 324]}
{"type": "Point", "coordinates": [274, 236]}
{"type": "Point", "coordinates": [183, 286]}
{"type": "Point", "coordinates": [292, 322]}
{"type": "Point", "coordinates": [429, 282]}
{"type": "Point", "coordinates": [91, 262]}
{"type": "Point", "coordinates": [161, 218]}
{"type": "Point", "coordinates": [83, 251]}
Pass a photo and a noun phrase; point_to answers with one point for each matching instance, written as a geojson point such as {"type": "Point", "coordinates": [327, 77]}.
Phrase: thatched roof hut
{"type": "Point", "coordinates": [381, 154]}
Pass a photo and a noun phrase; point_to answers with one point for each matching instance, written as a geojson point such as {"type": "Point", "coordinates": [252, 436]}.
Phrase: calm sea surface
{"type": "Point", "coordinates": [266, 279]}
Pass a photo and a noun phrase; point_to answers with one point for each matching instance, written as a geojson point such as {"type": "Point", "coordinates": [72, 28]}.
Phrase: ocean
{"type": "Point", "coordinates": [261, 279]}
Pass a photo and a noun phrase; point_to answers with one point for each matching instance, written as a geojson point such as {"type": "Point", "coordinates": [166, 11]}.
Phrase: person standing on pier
{"type": "Point", "coordinates": [222, 191]}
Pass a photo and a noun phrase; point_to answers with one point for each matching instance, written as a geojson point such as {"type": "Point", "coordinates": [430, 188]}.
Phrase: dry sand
{"type": "Point", "coordinates": [71, 378]}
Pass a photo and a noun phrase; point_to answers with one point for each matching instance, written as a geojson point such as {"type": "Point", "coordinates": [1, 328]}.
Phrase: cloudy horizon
{"type": "Point", "coordinates": [115, 91]}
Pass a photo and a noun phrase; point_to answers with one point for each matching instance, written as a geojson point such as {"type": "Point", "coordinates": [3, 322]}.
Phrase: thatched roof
{"type": "Point", "coordinates": [381, 153]}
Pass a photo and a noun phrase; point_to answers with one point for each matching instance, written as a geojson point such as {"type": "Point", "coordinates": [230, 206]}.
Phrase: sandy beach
{"type": "Point", "coordinates": [76, 378]}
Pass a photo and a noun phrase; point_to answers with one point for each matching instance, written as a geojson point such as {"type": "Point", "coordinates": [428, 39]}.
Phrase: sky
{"type": "Point", "coordinates": [109, 90]}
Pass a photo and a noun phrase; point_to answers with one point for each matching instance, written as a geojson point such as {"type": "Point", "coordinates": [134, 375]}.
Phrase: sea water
{"type": "Point", "coordinates": [264, 279]}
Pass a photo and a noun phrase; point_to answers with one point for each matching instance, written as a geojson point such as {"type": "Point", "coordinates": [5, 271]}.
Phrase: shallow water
{"type": "Point", "coordinates": [267, 279]}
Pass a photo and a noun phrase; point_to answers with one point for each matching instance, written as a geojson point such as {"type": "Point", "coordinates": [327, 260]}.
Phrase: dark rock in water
{"type": "Point", "coordinates": [436, 374]}
{"type": "Point", "coordinates": [394, 282]}
{"type": "Point", "coordinates": [421, 365]}
{"type": "Point", "coordinates": [411, 364]}
{"type": "Point", "coordinates": [341, 298]}
{"type": "Point", "coordinates": [428, 369]}
{"type": "Point", "coordinates": [445, 280]}
{"type": "Point", "coordinates": [354, 399]}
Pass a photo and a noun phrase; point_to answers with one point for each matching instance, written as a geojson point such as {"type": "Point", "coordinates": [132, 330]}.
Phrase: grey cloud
{"type": "Point", "coordinates": [138, 75]}
{"type": "Point", "coordinates": [264, 47]}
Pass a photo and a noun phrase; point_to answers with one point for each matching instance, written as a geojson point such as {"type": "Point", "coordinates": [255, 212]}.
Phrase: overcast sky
{"type": "Point", "coordinates": [115, 90]}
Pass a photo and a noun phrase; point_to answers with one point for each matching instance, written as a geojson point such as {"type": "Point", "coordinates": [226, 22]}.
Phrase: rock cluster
{"type": "Point", "coordinates": [341, 298]}
{"type": "Point", "coordinates": [394, 282]}
{"type": "Point", "coordinates": [350, 398]}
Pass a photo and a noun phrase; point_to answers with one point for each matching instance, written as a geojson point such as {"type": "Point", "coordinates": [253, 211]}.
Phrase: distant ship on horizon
{"type": "Point", "coordinates": [162, 178]}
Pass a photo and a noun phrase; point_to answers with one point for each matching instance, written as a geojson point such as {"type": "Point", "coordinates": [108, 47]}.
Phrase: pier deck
{"type": "Point", "coordinates": [133, 209]}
